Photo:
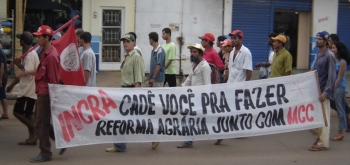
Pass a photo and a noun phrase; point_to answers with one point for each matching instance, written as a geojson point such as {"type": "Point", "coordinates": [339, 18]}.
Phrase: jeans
{"type": "Point", "coordinates": [121, 147]}
{"type": "Point", "coordinates": [339, 98]}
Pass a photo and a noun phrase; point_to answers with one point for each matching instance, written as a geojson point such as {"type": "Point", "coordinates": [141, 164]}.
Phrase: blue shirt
{"type": "Point", "coordinates": [157, 58]}
{"type": "Point", "coordinates": [325, 66]}
{"type": "Point", "coordinates": [342, 83]}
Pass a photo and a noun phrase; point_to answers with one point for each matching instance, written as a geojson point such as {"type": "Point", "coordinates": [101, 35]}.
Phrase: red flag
{"type": "Point", "coordinates": [71, 71]}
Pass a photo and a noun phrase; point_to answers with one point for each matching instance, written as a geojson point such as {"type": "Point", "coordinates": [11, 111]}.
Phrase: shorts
{"type": "Point", "coordinates": [3, 92]}
{"type": "Point", "coordinates": [24, 106]}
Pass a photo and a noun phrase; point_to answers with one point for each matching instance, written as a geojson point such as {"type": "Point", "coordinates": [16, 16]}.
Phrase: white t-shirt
{"type": "Point", "coordinates": [27, 83]}
{"type": "Point", "coordinates": [88, 61]}
{"type": "Point", "coordinates": [201, 75]}
{"type": "Point", "coordinates": [239, 65]}
{"type": "Point", "coordinates": [271, 55]}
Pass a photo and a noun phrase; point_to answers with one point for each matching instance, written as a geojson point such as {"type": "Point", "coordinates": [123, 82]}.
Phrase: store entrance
{"type": "Point", "coordinates": [289, 20]}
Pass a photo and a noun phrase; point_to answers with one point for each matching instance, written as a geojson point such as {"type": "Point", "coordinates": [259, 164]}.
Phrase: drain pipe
{"type": "Point", "coordinates": [180, 40]}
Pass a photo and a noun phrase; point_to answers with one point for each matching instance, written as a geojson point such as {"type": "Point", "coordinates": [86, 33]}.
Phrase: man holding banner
{"type": "Point", "coordinates": [200, 75]}
{"type": "Point", "coordinates": [132, 70]}
{"type": "Point", "coordinates": [47, 73]}
{"type": "Point", "coordinates": [325, 67]}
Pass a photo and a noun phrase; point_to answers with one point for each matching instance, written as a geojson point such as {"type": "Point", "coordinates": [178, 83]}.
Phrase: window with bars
{"type": "Point", "coordinates": [111, 29]}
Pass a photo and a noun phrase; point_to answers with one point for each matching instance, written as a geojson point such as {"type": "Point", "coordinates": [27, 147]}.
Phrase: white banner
{"type": "Point", "coordinates": [94, 115]}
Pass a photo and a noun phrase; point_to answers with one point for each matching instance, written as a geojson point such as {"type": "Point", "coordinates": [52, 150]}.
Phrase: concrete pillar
{"type": "Point", "coordinates": [324, 17]}
{"type": "Point", "coordinates": [3, 9]}
{"type": "Point", "coordinates": [227, 17]}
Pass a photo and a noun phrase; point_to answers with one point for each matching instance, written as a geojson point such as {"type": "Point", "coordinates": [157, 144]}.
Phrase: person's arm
{"type": "Point", "coordinates": [188, 80]}
{"type": "Point", "coordinates": [11, 85]}
{"type": "Point", "coordinates": [53, 70]}
{"type": "Point", "coordinates": [248, 65]}
{"type": "Point", "coordinates": [87, 74]}
{"type": "Point", "coordinates": [330, 80]}
{"type": "Point", "coordinates": [288, 65]}
{"type": "Point", "coordinates": [341, 73]}
{"type": "Point", "coordinates": [160, 62]}
{"type": "Point", "coordinates": [248, 75]}
{"type": "Point", "coordinates": [139, 73]}
{"type": "Point", "coordinates": [218, 62]}
{"type": "Point", "coordinates": [87, 62]}
{"type": "Point", "coordinates": [206, 74]}
{"type": "Point", "coordinates": [171, 56]}
{"type": "Point", "coordinates": [2, 69]}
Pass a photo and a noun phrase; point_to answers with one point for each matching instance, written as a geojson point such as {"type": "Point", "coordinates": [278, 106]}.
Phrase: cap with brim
{"type": "Point", "coordinates": [128, 37]}
{"type": "Point", "coordinates": [197, 46]}
{"type": "Point", "coordinates": [25, 36]}
{"type": "Point", "coordinates": [44, 30]}
{"type": "Point", "coordinates": [281, 38]}
{"type": "Point", "coordinates": [323, 34]}
{"type": "Point", "coordinates": [226, 42]}
{"type": "Point", "coordinates": [237, 33]}
{"type": "Point", "coordinates": [208, 36]}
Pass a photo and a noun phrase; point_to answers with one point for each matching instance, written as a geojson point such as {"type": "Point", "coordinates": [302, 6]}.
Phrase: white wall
{"type": "Point", "coordinates": [324, 16]}
{"type": "Point", "coordinates": [194, 20]}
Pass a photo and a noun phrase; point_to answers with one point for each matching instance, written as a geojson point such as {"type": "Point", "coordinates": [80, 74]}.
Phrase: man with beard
{"type": "Point", "coordinates": [200, 75]}
{"type": "Point", "coordinates": [325, 67]}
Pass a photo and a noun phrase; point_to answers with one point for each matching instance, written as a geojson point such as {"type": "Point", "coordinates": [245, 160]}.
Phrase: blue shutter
{"type": "Point", "coordinates": [343, 30]}
{"type": "Point", "coordinates": [299, 5]}
{"type": "Point", "coordinates": [253, 18]}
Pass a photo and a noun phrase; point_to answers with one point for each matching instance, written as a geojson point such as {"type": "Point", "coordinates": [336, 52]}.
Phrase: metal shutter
{"type": "Point", "coordinates": [255, 20]}
{"type": "Point", "coordinates": [299, 5]}
{"type": "Point", "coordinates": [343, 30]}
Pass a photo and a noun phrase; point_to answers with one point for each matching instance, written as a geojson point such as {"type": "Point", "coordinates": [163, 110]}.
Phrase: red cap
{"type": "Point", "coordinates": [208, 36]}
{"type": "Point", "coordinates": [237, 33]}
{"type": "Point", "coordinates": [44, 30]}
{"type": "Point", "coordinates": [226, 42]}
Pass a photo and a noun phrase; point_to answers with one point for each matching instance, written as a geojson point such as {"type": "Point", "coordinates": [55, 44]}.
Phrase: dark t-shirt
{"type": "Point", "coordinates": [3, 60]}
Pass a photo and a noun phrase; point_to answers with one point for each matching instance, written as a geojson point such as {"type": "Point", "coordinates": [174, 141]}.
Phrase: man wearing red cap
{"type": "Point", "coordinates": [47, 73]}
{"type": "Point", "coordinates": [210, 55]}
{"type": "Point", "coordinates": [240, 62]}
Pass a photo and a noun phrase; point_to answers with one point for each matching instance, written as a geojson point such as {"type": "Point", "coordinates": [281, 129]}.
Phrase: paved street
{"type": "Point", "coordinates": [279, 149]}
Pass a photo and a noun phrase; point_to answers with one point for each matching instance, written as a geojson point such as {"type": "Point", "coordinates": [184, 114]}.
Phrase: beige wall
{"type": "Point", "coordinates": [303, 40]}
{"type": "Point", "coordinates": [3, 8]}
{"type": "Point", "coordinates": [95, 6]}
{"type": "Point", "coordinates": [92, 22]}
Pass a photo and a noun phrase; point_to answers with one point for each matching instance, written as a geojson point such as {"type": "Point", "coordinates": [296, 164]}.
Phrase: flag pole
{"type": "Point", "coordinates": [54, 32]}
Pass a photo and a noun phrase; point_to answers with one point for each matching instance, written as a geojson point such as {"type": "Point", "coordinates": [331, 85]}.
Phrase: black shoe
{"type": "Point", "coordinates": [62, 151]}
{"type": "Point", "coordinates": [185, 145]}
{"type": "Point", "coordinates": [218, 142]}
{"type": "Point", "coordinates": [40, 158]}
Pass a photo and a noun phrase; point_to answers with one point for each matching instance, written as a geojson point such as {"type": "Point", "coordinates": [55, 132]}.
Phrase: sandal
{"type": "Point", "coordinates": [338, 138]}
{"type": "Point", "coordinates": [317, 148]}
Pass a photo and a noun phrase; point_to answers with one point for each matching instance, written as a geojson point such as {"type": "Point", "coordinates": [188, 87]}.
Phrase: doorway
{"type": "Point", "coordinates": [290, 21]}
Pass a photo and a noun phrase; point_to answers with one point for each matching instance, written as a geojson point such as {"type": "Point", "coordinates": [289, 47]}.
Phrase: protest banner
{"type": "Point", "coordinates": [95, 115]}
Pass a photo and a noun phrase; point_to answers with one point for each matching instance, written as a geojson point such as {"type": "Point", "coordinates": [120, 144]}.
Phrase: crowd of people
{"type": "Point", "coordinates": [233, 63]}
